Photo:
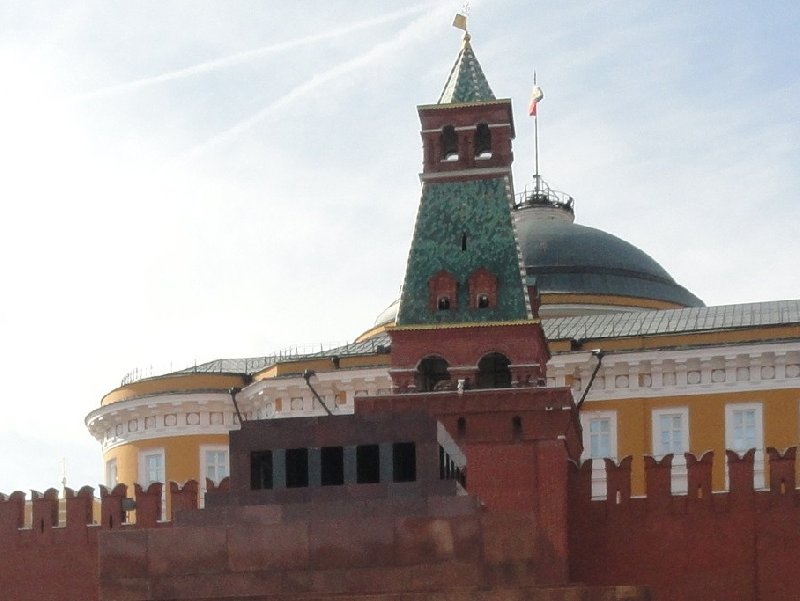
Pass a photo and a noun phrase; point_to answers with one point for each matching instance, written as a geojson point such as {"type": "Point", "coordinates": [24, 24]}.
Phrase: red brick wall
{"type": "Point", "coordinates": [739, 545]}
{"type": "Point", "coordinates": [46, 562]}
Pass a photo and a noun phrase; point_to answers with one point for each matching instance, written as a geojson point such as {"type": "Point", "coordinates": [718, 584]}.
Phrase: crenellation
{"type": "Point", "coordinates": [658, 478]}
{"type": "Point", "coordinates": [148, 504]}
{"type": "Point", "coordinates": [12, 511]}
{"type": "Point", "coordinates": [782, 478]}
{"type": "Point", "coordinates": [112, 513]}
{"type": "Point", "coordinates": [79, 507]}
{"type": "Point", "coordinates": [44, 510]}
{"type": "Point", "coordinates": [618, 480]}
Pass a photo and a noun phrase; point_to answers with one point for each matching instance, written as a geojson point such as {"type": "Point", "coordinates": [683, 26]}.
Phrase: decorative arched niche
{"type": "Point", "coordinates": [482, 285]}
{"type": "Point", "coordinates": [443, 292]}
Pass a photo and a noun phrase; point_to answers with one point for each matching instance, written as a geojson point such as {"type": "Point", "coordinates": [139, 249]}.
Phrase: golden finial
{"type": "Point", "coordinates": [460, 20]}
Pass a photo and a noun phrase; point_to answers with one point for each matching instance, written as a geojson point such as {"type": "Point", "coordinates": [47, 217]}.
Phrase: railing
{"type": "Point", "coordinates": [539, 193]}
{"type": "Point", "coordinates": [244, 365]}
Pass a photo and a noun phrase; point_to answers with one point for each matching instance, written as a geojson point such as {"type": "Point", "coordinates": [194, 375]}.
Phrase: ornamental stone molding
{"type": "Point", "coordinates": [692, 371]}
{"type": "Point", "coordinates": [204, 413]}
{"type": "Point", "coordinates": [622, 375]}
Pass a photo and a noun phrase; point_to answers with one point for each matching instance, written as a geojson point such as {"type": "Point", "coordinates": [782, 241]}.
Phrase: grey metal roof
{"type": "Point", "coordinates": [609, 325]}
{"type": "Point", "coordinates": [673, 321]}
{"type": "Point", "coordinates": [377, 344]}
{"type": "Point", "coordinates": [565, 257]}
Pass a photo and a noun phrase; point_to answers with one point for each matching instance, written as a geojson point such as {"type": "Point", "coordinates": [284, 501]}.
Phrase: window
{"type": "Point", "coordinates": [261, 470]}
{"type": "Point", "coordinates": [482, 285]}
{"type": "Point", "coordinates": [404, 462]}
{"type": "Point", "coordinates": [111, 473]}
{"type": "Point", "coordinates": [151, 469]}
{"type": "Point", "coordinates": [368, 465]}
{"type": "Point", "coordinates": [671, 435]}
{"type": "Point", "coordinates": [449, 143]}
{"type": "Point", "coordinates": [442, 291]}
{"type": "Point", "coordinates": [600, 438]}
{"type": "Point", "coordinates": [599, 442]}
{"type": "Point", "coordinates": [483, 141]}
{"type": "Point", "coordinates": [296, 468]}
{"type": "Point", "coordinates": [744, 431]}
{"type": "Point", "coordinates": [214, 464]}
{"type": "Point", "coordinates": [332, 466]}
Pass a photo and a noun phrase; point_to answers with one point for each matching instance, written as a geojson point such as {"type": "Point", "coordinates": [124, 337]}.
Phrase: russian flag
{"type": "Point", "coordinates": [536, 96]}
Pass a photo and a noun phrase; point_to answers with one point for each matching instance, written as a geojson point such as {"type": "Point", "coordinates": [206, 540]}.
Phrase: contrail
{"type": "Point", "coordinates": [377, 52]}
{"type": "Point", "coordinates": [247, 55]}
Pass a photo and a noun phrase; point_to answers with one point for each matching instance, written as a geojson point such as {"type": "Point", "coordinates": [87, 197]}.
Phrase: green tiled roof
{"type": "Point", "coordinates": [466, 82]}
{"type": "Point", "coordinates": [480, 209]}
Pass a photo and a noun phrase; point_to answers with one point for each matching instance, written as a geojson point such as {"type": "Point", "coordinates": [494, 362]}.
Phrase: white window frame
{"type": "Point", "coordinates": [679, 482]}
{"type": "Point", "coordinates": [143, 480]}
{"type": "Point", "coordinates": [758, 425]}
{"type": "Point", "coordinates": [204, 450]}
{"type": "Point", "coordinates": [599, 480]}
{"type": "Point", "coordinates": [112, 473]}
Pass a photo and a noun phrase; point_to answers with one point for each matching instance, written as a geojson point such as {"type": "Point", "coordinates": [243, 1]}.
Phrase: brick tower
{"type": "Point", "coordinates": [466, 345]}
{"type": "Point", "coordinates": [465, 318]}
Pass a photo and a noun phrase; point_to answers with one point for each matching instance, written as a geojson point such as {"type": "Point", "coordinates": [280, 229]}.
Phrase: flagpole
{"type": "Point", "coordinates": [536, 143]}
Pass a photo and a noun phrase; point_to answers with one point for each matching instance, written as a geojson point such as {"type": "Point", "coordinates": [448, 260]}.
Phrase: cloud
{"type": "Point", "coordinates": [247, 55]}
{"type": "Point", "coordinates": [375, 54]}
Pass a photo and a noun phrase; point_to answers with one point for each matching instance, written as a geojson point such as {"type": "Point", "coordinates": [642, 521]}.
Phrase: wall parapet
{"type": "Point", "coordinates": [76, 510]}
{"type": "Point", "coordinates": [741, 492]}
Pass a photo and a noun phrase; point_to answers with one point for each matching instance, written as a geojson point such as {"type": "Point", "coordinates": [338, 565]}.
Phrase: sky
{"type": "Point", "coordinates": [183, 181]}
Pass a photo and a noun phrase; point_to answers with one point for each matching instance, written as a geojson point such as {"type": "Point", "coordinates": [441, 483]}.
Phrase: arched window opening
{"type": "Point", "coordinates": [494, 371]}
{"type": "Point", "coordinates": [430, 372]}
{"type": "Point", "coordinates": [483, 142]}
{"type": "Point", "coordinates": [443, 303]}
{"type": "Point", "coordinates": [449, 143]}
{"type": "Point", "coordinates": [464, 241]}
{"type": "Point", "coordinates": [483, 301]}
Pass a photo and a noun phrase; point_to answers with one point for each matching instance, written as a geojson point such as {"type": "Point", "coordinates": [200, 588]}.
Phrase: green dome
{"type": "Point", "coordinates": [567, 258]}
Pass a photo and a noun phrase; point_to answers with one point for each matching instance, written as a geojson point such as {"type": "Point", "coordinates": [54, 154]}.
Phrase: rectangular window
{"type": "Point", "coordinates": [332, 466]}
{"type": "Point", "coordinates": [600, 437]}
{"type": "Point", "coordinates": [404, 462]}
{"type": "Point", "coordinates": [152, 469]}
{"type": "Point", "coordinates": [368, 465]}
{"type": "Point", "coordinates": [214, 464]}
{"type": "Point", "coordinates": [296, 468]}
{"type": "Point", "coordinates": [261, 470]}
{"type": "Point", "coordinates": [671, 435]}
{"type": "Point", "coordinates": [744, 430]}
{"type": "Point", "coordinates": [111, 473]}
{"type": "Point", "coordinates": [599, 443]}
